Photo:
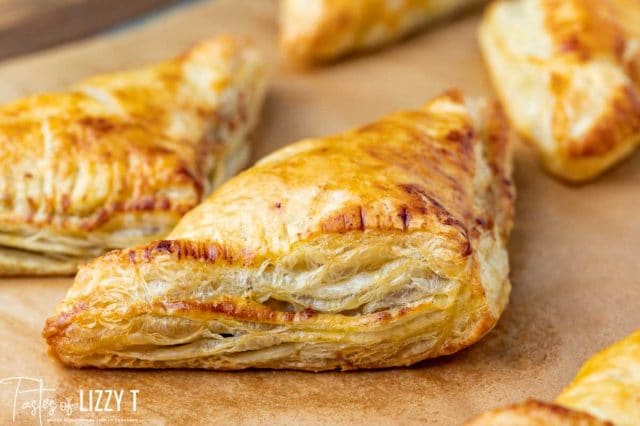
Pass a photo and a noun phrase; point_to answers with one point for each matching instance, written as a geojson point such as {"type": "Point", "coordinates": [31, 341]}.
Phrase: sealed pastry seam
{"type": "Point", "coordinates": [119, 158]}
{"type": "Point", "coordinates": [567, 73]}
{"type": "Point", "coordinates": [314, 31]}
{"type": "Point", "coordinates": [378, 247]}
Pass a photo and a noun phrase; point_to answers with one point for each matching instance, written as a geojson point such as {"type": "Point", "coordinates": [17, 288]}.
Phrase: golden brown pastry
{"type": "Point", "coordinates": [324, 30]}
{"type": "Point", "coordinates": [606, 391]}
{"type": "Point", "coordinates": [536, 413]}
{"type": "Point", "coordinates": [378, 247]}
{"type": "Point", "coordinates": [119, 158]}
{"type": "Point", "coordinates": [568, 74]}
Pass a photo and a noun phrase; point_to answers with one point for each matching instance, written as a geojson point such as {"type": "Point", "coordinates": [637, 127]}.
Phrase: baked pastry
{"type": "Point", "coordinates": [536, 413]}
{"type": "Point", "coordinates": [119, 158]}
{"type": "Point", "coordinates": [378, 247]}
{"type": "Point", "coordinates": [324, 30]}
{"type": "Point", "coordinates": [568, 75]}
{"type": "Point", "coordinates": [606, 391]}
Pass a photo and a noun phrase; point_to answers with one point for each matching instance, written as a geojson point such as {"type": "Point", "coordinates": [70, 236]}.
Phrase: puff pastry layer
{"type": "Point", "coordinates": [606, 391]}
{"type": "Point", "coordinates": [119, 158]}
{"type": "Point", "coordinates": [568, 74]}
{"type": "Point", "coordinates": [378, 247]}
{"type": "Point", "coordinates": [324, 30]}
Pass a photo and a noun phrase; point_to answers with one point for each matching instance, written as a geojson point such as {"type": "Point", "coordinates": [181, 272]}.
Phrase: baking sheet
{"type": "Point", "coordinates": [574, 260]}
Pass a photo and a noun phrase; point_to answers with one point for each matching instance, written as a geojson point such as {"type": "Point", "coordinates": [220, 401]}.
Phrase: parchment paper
{"type": "Point", "coordinates": [574, 250]}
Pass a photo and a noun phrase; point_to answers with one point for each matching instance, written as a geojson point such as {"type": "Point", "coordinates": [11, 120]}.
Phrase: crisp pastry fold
{"type": "Point", "coordinates": [378, 247]}
{"type": "Point", "coordinates": [118, 159]}
{"type": "Point", "coordinates": [568, 75]}
{"type": "Point", "coordinates": [606, 391]}
{"type": "Point", "coordinates": [324, 30]}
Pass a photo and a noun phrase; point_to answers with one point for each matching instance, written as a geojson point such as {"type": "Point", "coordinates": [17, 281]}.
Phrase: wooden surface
{"type": "Point", "coordinates": [29, 25]}
{"type": "Point", "coordinates": [575, 268]}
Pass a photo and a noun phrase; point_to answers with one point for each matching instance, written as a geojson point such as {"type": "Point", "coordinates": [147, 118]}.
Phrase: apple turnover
{"type": "Point", "coordinates": [606, 391]}
{"type": "Point", "coordinates": [378, 247]}
{"type": "Point", "coordinates": [324, 30]}
{"type": "Point", "coordinates": [568, 75]}
{"type": "Point", "coordinates": [119, 158]}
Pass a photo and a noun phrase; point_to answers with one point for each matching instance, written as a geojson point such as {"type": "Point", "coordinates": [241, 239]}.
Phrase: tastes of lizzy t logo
{"type": "Point", "coordinates": [28, 396]}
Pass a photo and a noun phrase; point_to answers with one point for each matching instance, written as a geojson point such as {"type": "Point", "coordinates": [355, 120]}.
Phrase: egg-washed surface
{"type": "Point", "coordinates": [568, 73]}
{"type": "Point", "coordinates": [606, 391]}
{"type": "Point", "coordinates": [608, 385]}
{"type": "Point", "coordinates": [559, 311]}
{"type": "Point", "coordinates": [324, 30]}
{"type": "Point", "coordinates": [378, 247]}
{"type": "Point", "coordinates": [119, 158]}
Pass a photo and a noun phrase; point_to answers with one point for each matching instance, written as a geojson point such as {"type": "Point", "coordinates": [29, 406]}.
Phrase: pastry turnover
{"type": "Point", "coordinates": [606, 391]}
{"type": "Point", "coordinates": [378, 247]}
{"type": "Point", "coordinates": [119, 158]}
{"type": "Point", "coordinates": [323, 30]}
{"type": "Point", "coordinates": [568, 74]}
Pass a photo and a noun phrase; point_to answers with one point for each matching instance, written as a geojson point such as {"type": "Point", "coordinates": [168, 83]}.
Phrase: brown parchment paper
{"type": "Point", "coordinates": [574, 250]}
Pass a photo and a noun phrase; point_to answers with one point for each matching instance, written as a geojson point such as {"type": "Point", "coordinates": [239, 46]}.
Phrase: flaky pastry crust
{"type": "Point", "coordinates": [606, 391]}
{"type": "Point", "coordinates": [323, 30]}
{"type": "Point", "coordinates": [536, 413]}
{"type": "Point", "coordinates": [119, 158]}
{"type": "Point", "coordinates": [378, 247]}
{"type": "Point", "coordinates": [568, 74]}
